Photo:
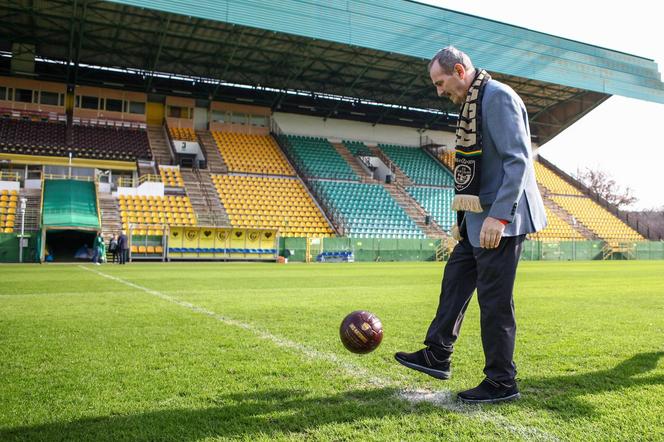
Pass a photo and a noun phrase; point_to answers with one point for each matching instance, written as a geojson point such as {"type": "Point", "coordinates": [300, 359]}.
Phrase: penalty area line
{"type": "Point", "coordinates": [441, 398]}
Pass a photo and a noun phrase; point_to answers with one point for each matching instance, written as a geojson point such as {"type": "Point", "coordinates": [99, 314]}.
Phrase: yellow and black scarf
{"type": "Point", "coordinates": [468, 159]}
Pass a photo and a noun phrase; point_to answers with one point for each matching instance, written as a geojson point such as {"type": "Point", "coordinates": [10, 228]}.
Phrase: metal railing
{"type": "Point", "coordinates": [9, 176]}
{"type": "Point", "coordinates": [53, 176]}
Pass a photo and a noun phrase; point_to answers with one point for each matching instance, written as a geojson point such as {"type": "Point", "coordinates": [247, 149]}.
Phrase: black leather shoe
{"type": "Point", "coordinates": [426, 362]}
{"type": "Point", "coordinates": [490, 391]}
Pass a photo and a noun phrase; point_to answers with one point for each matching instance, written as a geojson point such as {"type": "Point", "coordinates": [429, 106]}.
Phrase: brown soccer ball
{"type": "Point", "coordinates": [361, 332]}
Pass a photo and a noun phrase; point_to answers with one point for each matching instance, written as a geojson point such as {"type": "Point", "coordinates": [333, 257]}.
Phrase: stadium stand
{"type": "Point", "coordinates": [447, 158]}
{"type": "Point", "coordinates": [368, 210]}
{"type": "Point", "coordinates": [552, 182]}
{"type": "Point", "coordinates": [19, 136]}
{"type": "Point", "coordinates": [183, 133]}
{"type": "Point", "coordinates": [251, 154]}
{"type": "Point", "coordinates": [556, 230]}
{"type": "Point", "coordinates": [171, 176]}
{"type": "Point", "coordinates": [28, 137]}
{"type": "Point", "coordinates": [357, 147]}
{"type": "Point", "coordinates": [597, 219]}
{"type": "Point", "coordinates": [156, 211]}
{"type": "Point", "coordinates": [8, 208]}
{"type": "Point", "coordinates": [590, 214]}
{"type": "Point", "coordinates": [111, 143]}
{"type": "Point", "coordinates": [417, 165]}
{"type": "Point", "coordinates": [317, 158]}
{"type": "Point", "coordinates": [437, 201]}
{"type": "Point", "coordinates": [271, 202]}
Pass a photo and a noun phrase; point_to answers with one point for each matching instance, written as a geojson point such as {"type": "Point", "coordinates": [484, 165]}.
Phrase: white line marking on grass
{"type": "Point", "coordinates": [440, 398]}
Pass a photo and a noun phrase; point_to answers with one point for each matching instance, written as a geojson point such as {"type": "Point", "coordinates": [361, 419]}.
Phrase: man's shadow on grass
{"type": "Point", "coordinates": [274, 412]}
{"type": "Point", "coordinates": [563, 394]}
{"type": "Point", "coordinates": [267, 413]}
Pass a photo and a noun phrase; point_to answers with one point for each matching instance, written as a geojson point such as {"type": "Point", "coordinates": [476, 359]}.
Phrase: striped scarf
{"type": "Point", "coordinates": [468, 159]}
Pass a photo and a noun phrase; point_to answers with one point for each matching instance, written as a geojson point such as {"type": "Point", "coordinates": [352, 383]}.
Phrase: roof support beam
{"type": "Point", "coordinates": [155, 62]}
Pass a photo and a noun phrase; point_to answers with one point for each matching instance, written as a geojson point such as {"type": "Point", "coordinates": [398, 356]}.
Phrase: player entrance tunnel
{"type": "Point", "coordinates": [69, 245]}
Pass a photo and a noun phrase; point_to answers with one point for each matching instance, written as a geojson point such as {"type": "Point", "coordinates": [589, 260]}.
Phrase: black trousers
{"type": "Point", "coordinates": [492, 273]}
{"type": "Point", "coordinates": [124, 256]}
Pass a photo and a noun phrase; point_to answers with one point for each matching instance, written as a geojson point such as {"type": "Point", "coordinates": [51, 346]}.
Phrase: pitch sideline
{"type": "Point", "coordinates": [440, 398]}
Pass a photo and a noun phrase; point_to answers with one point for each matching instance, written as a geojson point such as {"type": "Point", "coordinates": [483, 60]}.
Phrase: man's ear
{"type": "Point", "coordinates": [460, 70]}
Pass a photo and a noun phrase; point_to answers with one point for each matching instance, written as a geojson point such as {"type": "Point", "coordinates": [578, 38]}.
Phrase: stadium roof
{"type": "Point", "coordinates": [373, 50]}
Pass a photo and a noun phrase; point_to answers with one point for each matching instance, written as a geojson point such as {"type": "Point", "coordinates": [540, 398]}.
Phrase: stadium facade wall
{"type": "Point", "coordinates": [9, 247]}
{"type": "Point", "coordinates": [356, 130]}
{"type": "Point", "coordinates": [376, 249]}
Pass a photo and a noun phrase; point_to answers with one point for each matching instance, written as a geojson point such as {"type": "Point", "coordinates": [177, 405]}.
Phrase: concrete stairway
{"type": "Point", "coordinates": [215, 162]}
{"type": "Point", "coordinates": [414, 211]}
{"type": "Point", "coordinates": [111, 223]}
{"type": "Point", "coordinates": [32, 210]}
{"type": "Point", "coordinates": [566, 216]}
{"type": "Point", "coordinates": [399, 176]}
{"type": "Point", "coordinates": [353, 163]}
{"type": "Point", "coordinates": [204, 198]}
{"type": "Point", "coordinates": [159, 145]}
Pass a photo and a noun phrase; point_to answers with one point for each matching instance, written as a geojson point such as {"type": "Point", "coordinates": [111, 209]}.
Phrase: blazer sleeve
{"type": "Point", "coordinates": [507, 127]}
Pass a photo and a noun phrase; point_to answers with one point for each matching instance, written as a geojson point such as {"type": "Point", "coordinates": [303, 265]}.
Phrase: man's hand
{"type": "Point", "coordinates": [492, 231]}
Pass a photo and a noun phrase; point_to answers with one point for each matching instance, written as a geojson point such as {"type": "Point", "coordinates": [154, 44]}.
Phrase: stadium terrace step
{"type": "Point", "coordinates": [32, 210]}
{"type": "Point", "coordinates": [215, 162]}
{"type": "Point", "coordinates": [111, 223]}
{"type": "Point", "coordinates": [566, 216]}
{"type": "Point", "coordinates": [161, 150]}
{"type": "Point", "coordinates": [416, 212]}
{"type": "Point", "coordinates": [203, 197]}
{"type": "Point", "coordinates": [399, 176]}
{"type": "Point", "coordinates": [352, 162]}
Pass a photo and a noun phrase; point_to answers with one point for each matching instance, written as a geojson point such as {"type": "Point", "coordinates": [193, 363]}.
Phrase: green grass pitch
{"type": "Point", "coordinates": [221, 351]}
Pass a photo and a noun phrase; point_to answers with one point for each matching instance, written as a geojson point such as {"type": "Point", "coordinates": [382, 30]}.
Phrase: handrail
{"type": "Point", "coordinates": [148, 177]}
{"type": "Point", "coordinates": [169, 139]}
{"type": "Point", "coordinates": [9, 176]}
{"type": "Point", "coordinates": [51, 116]}
{"type": "Point", "coordinates": [52, 176]}
{"type": "Point", "coordinates": [108, 122]}
{"type": "Point", "coordinates": [201, 146]}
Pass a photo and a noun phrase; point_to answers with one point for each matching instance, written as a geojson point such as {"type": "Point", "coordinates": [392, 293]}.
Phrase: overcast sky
{"type": "Point", "coordinates": [622, 136]}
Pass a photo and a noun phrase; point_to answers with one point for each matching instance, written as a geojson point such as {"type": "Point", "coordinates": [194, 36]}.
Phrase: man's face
{"type": "Point", "coordinates": [449, 86]}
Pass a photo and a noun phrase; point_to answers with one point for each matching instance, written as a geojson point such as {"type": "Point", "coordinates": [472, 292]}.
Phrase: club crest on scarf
{"type": "Point", "coordinates": [468, 158]}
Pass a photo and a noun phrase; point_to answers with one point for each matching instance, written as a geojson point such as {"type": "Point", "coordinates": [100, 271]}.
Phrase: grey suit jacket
{"type": "Point", "coordinates": [508, 189]}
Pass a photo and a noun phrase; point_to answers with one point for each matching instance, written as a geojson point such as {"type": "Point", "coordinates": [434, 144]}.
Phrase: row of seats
{"type": "Point", "coordinates": [183, 133]}
{"type": "Point", "coordinates": [557, 229]}
{"type": "Point", "coordinates": [271, 202]}
{"type": "Point", "coordinates": [50, 138]}
{"type": "Point", "coordinates": [447, 158]}
{"type": "Point", "coordinates": [171, 176]}
{"type": "Point", "coordinates": [156, 210]}
{"type": "Point", "coordinates": [552, 182]}
{"type": "Point", "coordinates": [367, 210]}
{"type": "Point", "coordinates": [147, 250]}
{"type": "Point", "coordinates": [251, 153]}
{"type": "Point", "coordinates": [437, 201]}
{"type": "Point", "coordinates": [597, 219]}
{"type": "Point", "coordinates": [7, 222]}
{"type": "Point", "coordinates": [317, 158]}
{"type": "Point", "coordinates": [8, 208]}
{"type": "Point", "coordinates": [417, 165]}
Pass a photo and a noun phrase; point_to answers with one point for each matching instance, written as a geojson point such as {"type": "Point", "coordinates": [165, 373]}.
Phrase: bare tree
{"type": "Point", "coordinates": [606, 187]}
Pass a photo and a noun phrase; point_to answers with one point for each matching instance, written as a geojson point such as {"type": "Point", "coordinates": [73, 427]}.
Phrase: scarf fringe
{"type": "Point", "coordinates": [467, 203]}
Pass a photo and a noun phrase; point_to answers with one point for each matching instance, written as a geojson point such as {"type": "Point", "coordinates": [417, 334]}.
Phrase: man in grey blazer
{"type": "Point", "coordinates": [494, 155]}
